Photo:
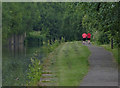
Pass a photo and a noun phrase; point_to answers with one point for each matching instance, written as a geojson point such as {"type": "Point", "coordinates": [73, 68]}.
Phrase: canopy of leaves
{"type": "Point", "coordinates": [55, 20]}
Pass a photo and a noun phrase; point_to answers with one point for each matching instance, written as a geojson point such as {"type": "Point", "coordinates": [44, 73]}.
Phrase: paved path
{"type": "Point", "coordinates": [103, 69]}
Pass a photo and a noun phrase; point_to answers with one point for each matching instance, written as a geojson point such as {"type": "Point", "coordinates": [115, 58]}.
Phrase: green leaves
{"type": "Point", "coordinates": [102, 19]}
{"type": "Point", "coordinates": [54, 20]}
{"type": "Point", "coordinates": [35, 70]}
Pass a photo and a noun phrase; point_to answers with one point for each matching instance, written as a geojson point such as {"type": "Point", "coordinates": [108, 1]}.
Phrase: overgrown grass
{"type": "Point", "coordinates": [71, 64]}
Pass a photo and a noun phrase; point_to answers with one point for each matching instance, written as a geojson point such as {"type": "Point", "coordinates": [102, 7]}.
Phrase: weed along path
{"type": "Point", "coordinates": [103, 69]}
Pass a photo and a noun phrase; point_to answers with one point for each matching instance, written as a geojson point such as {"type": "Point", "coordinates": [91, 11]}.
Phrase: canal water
{"type": "Point", "coordinates": [15, 61]}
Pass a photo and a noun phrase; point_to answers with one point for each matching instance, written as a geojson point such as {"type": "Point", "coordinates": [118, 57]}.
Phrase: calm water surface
{"type": "Point", "coordinates": [15, 64]}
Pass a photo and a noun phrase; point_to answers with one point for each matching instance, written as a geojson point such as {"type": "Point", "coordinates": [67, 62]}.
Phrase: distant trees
{"type": "Point", "coordinates": [16, 19]}
{"type": "Point", "coordinates": [102, 17]}
{"type": "Point", "coordinates": [57, 20]}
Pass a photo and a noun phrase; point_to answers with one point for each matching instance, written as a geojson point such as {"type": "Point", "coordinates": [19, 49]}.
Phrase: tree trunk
{"type": "Point", "coordinates": [111, 43]}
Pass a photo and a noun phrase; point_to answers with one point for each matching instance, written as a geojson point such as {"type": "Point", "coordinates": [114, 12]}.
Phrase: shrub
{"type": "Point", "coordinates": [35, 71]}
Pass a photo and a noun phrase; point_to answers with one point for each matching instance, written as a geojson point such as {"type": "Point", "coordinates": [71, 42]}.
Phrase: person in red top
{"type": "Point", "coordinates": [88, 37]}
{"type": "Point", "coordinates": [84, 35]}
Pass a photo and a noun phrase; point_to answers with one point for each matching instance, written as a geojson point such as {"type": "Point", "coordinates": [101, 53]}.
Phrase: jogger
{"type": "Point", "coordinates": [84, 35]}
{"type": "Point", "coordinates": [88, 37]}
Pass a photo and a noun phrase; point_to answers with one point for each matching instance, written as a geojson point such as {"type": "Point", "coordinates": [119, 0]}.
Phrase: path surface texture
{"type": "Point", "coordinates": [103, 69]}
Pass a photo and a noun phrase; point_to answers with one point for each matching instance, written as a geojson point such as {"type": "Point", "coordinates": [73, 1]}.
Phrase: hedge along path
{"type": "Point", "coordinates": [103, 68]}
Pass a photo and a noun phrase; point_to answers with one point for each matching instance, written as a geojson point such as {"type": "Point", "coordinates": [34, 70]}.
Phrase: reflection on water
{"type": "Point", "coordinates": [15, 63]}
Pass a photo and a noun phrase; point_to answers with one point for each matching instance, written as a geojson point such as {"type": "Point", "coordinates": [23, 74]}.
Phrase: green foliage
{"type": "Point", "coordinates": [67, 19]}
{"type": "Point", "coordinates": [34, 38]}
{"type": "Point", "coordinates": [101, 38]}
{"type": "Point", "coordinates": [35, 34]}
{"type": "Point", "coordinates": [102, 17]}
{"type": "Point", "coordinates": [35, 70]}
{"type": "Point", "coordinates": [54, 44]}
{"type": "Point", "coordinates": [62, 40]}
{"type": "Point", "coordinates": [18, 18]}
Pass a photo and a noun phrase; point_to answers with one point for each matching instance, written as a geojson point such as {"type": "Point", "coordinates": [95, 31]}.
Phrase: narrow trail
{"type": "Point", "coordinates": [103, 69]}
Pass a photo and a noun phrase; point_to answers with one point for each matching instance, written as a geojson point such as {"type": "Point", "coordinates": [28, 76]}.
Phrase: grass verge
{"type": "Point", "coordinates": [71, 63]}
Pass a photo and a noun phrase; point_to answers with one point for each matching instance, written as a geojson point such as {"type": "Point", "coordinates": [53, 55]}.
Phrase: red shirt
{"type": "Point", "coordinates": [84, 35]}
{"type": "Point", "coordinates": [88, 35]}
